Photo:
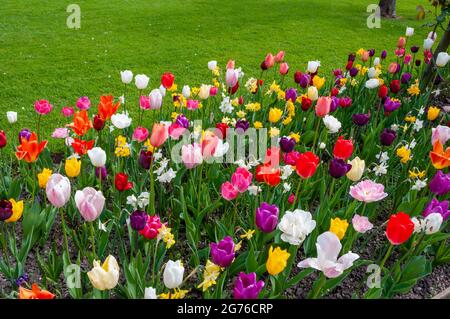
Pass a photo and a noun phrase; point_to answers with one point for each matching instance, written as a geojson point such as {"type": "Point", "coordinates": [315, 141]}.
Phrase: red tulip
{"type": "Point", "coordinates": [268, 174]}
{"type": "Point", "coordinates": [334, 91]}
{"type": "Point", "coordinates": [306, 103]}
{"type": "Point", "coordinates": [122, 183]}
{"type": "Point", "coordinates": [343, 149]}
{"type": "Point", "coordinates": [395, 86]}
{"type": "Point", "coordinates": [99, 123]}
{"type": "Point", "coordinates": [81, 147]}
{"type": "Point", "coordinates": [399, 228]}
{"type": "Point", "coordinates": [383, 91]}
{"type": "Point", "coordinates": [167, 80]}
{"type": "Point", "coordinates": [221, 130]}
{"type": "Point", "coordinates": [349, 65]}
{"type": "Point", "coordinates": [306, 164]}
{"type": "Point", "coordinates": [2, 139]}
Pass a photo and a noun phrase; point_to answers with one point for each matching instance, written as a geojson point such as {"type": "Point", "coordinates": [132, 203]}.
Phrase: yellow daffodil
{"type": "Point", "coordinates": [287, 120]}
{"type": "Point", "coordinates": [339, 227]}
{"type": "Point", "coordinates": [72, 167]}
{"type": "Point", "coordinates": [277, 260]}
{"type": "Point", "coordinates": [253, 107]}
{"type": "Point", "coordinates": [257, 125]}
{"type": "Point", "coordinates": [414, 89]}
{"type": "Point", "coordinates": [210, 275]}
{"type": "Point", "coordinates": [295, 136]}
{"type": "Point", "coordinates": [176, 294]}
{"type": "Point", "coordinates": [43, 177]}
{"type": "Point", "coordinates": [166, 235]}
{"type": "Point", "coordinates": [416, 173]}
{"type": "Point", "coordinates": [241, 114]}
{"type": "Point", "coordinates": [274, 132]}
{"type": "Point", "coordinates": [122, 148]}
{"type": "Point", "coordinates": [17, 209]}
{"type": "Point", "coordinates": [248, 234]}
{"type": "Point", "coordinates": [410, 119]}
{"type": "Point", "coordinates": [404, 153]}
{"type": "Point", "coordinates": [174, 115]}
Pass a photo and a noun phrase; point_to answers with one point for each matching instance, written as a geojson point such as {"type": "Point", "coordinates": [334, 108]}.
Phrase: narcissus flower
{"type": "Point", "coordinates": [328, 248]}
{"type": "Point", "coordinates": [210, 275]}
{"type": "Point", "coordinates": [247, 287]}
{"type": "Point", "coordinates": [29, 149]}
{"type": "Point", "coordinates": [399, 228]}
{"type": "Point", "coordinates": [72, 167]}
{"type": "Point", "coordinates": [277, 260]}
{"type": "Point", "coordinates": [34, 293]}
{"type": "Point", "coordinates": [105, 276]}
{"type": "Point", "coordinates": [339, 227]}
{"type": "Point", "coordinates": [368, 191]}
{"type": "Point", "coordinates": [43, 177]}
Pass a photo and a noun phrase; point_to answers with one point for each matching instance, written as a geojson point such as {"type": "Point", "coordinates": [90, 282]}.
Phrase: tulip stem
{"type": "Point", "coordinates": [64, 230]}
{"type": "Point", "coordinates": [315, 293]}
{"type": "Point", "coordinates": [388, 253]}
{"type": "Point", "coordinates": [316, 132]}
{"type": "Point", "coordinates": [154, 262]}
{"type": "Point", "coordinates": [152, 190]}
{"type": "Point", "coordinates": [91, 224]}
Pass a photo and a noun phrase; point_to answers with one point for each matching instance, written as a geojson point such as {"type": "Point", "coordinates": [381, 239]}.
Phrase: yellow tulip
{"type": "Point", "coordinates": [43, 177]}
{"type": "Point", "coordinates": [339, 227]}
{"type": "Point", "coordinates": [106, 276]}
{"type": "Point", "coordinates": [277, 260]}
{"type": "Point", "coordinates": [17, 209]}
{"type": "Point", "coordinates": [72, 167]}
{"type": "Point", "coordinates": [433, 113]}
{"type": "Point", "coordinates": [357, 170]}
{"type": "Point", "coordinates": [275, 114]}
{"type": "Point", "coordinates": [318, 82]}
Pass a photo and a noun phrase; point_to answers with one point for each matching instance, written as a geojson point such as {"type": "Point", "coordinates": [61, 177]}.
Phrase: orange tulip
{"type": "Point", "coordinates": [35, 293]}
{"type": "Point", "coordinates": [159, 135]}
{"type": "Point", "coordinates": [30, 149]}
{"type": "Point", "coordinates": [81, 147]}
{"type": "Point", "coordinates": [81, 123]}
{"type": "Point", "coordinates": [439, 158]}
{"type": "Point", "coordinates": [106, 108]}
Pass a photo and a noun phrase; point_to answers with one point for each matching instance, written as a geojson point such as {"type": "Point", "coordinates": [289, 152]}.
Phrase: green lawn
{"type": "Point", "coordinates": [41, 58]}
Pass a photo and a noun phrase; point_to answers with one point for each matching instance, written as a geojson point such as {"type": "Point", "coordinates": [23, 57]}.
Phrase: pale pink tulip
{"type": "Point", "coordinates": [284, 68]}
{"type": "Point", "coordinates": [60, 132]}
{"type": "Point", "coordinates": [361, 223]}
{"type": "Point", "coordinates": [176, 130]}
{"type": "Point", "coordinates": [90, 203]}
{"type": "Point", "coordinates": [231, 77]}
{"type": "Point", "coordinates": [440, 133]}
{"type": "Point", "coordinates": [279, 57]}
{"type": "Point", "coordinates": [269, 60]}
{"type": "Point", "coordinates": [191, 155]}
{"type": "Point", "coordinates": [368, 191]}
{"type": "Point", "coordinates": [58, 190]}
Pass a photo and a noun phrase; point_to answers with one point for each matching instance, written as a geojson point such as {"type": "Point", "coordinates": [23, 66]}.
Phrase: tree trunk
{"type": "Point", "coordinates": [387, 8]}
{"type": "Point", "coordinates": [431, 68]}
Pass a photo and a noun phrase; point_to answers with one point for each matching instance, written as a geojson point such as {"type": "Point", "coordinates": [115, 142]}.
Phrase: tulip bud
{"type": "Point", "coordinates": [99, 123]}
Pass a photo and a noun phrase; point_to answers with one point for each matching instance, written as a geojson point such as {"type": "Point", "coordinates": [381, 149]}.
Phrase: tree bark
{"type": "Point", "coordinates": [387, 7]}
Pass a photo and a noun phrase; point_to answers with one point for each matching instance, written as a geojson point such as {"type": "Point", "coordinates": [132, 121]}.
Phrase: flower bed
{"type": "Point", "coordinates": [242, 188]}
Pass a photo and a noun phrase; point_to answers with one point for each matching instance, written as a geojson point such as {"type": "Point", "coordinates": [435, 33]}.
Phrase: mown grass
{"type": "Point", "coordinates": [41, 58]}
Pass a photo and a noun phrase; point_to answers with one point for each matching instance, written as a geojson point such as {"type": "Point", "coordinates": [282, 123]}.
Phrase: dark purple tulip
{"type": "Point", "coordinates": [334, 103]}
{"type": "Point", "coordinates": [263, 65]}
{"type": "Point", "coordinates": [437, 207]}
{"type": "Point", "coordinates": [338, 167]}
{"type": "Point", "coordinates": [406, 77]}
{"type": "Point", "coordinates": [414, 49]}
{"type": "Point", "coordinates": [361, 119]}
{"type": "Point", "coordinates": [138, 220]}
{"type": "Point", "coordinates": [145, 159]}
{"type": "Point", "coordinates": [351, 57]}
{"type": "Point", "coordinates": [304, 80]}
{"type": "Point", "coordinates": [222, 253]}
{"type": "Point", "coordinates": [371, 52]}
{"type": "Point", "coordinates": [297, 77]}
{"type": "Point", "coordinates": [246, 286]}
{"type": "Point", "coordinates": [440, 184]}
{"type": "Point", "coordinates": [24, 133]}
{"type": "Point", "coordinates": [383, 54]}
{"type": "Point", "coordinates": [353, 72]}
{"type": "Point", "coordinates": [101, 171]}
{"type": "Point", "coordinates": [387, 137]}
{"type": "Point", "coordinates": [391, 105]}
{"type": "Point", "coordinates": [287, 144]}
{"type": "Point", "coordinates": [291, 94]}
{"type": "Point", "coordinates": [418, 62]}
{"type": "Point", "coordinates": [242, 125]}
{"type": "Point", "coordinates": [5, 209]}
{"type": "Point", "coordinates": [266, 217]}
{"type": "Point", "coordinates": [182, 121]}
{"type": "Point", "coordinates": [337, 72]}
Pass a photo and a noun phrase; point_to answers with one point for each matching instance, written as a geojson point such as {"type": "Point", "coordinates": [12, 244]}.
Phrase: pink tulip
{"type": "Point", "coordinates": [58, 190]}
{"type": "Point", "coordinates": [230, 64]}
{"type": "Point", "coordinates": [159, 134]}
{"type": "Point", "coordinates": [284, 68]}
{"type": "Point", "coordinates": [60, 132]}
{"type": "Point", "coordinates": [368, 191]}
{"type": "Point", "coordinates": [323, 106]}
{"type": "Point", "coordinates": [241, 179]}
{"type": "Point", "coordinates": [407, 59]}
{"type": "Point", "coordinates": [176, 130]}
{"type": "Point", "coordinates": [365, 56]}
{"type": "Point", "coordinates": [191, 155]}
{"type": "Point", "coordinates": [144, 102]}
{"type": "Point", "coordinates": [231, 77]}
{"type": "Point", "coordinates": [67, 111]}
{"type": "Point", "coordinates": [228, 191]}
{"type": "Point", "coordinates": [401, 42]}
{"type": "Point", "coordinates": [83, 103]}
{"type": "Point", "coordinates": [392, 68]}
{"type": "Point", "coordinates": [42, 107]}
{"type": "Point", "coordinates": [361, 224]}
{"type": "Point", "coordinates": [90, 203]}
{"type": "Point", "coordinates": [192, 105]}
{"type": "Point", "coordinates": [209, 145]}
{"type": "Point", "coordinates": [279, 57]}
{"type": "Point", "coordinates": [269, 60]}
{"type": "Point", "coordinates": [140, 134]}
{"type": "Point", "coordinates": [440, 133]}
{"type": "Point", "coordinates": [213, 91]}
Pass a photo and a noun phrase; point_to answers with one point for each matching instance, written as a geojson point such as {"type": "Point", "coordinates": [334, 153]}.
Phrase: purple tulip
{"type": "Point", "coordinates": [334, 103]}
{"type": "Point", "coordinates": [5, 209]}
{"type": "Point", "coordinates": [291, 94]}
{"type": "Point", "coordinates": [440, 184]}
{"type": "Point", "coordinates": [338, 167]}
{"type": "Point", "coordinates": [383, 54]}
{"type": "Point", "coordinates": [418, 62]}
{"type": "Point", "coordinates": [437, 207]}
{"type": "Point", "coordinates": [246, 286]}
{"type": "Point", "coordinates": [353, 72]}
{"type": "Point", "coordinates": [387, 137]}
{"type": "Point", "coordinates": [242, 126]}
{"type": "Point", "coordinates": [222, 253]}
{"type": "Point", "coordinates": [138, 220]}
{"type": "Point", "coordinates": [371, 52]}
{"type": "Point", "coordinates": [182, 121]}
{"type": "Point", "coordinates": [101, 171]}
{"type": "Point", "coordinates": [304, 80]}
{"type": "Point", "coordinates": [361, 119]}
{"type": "Point", "coordinates": [24, 133]}
{"type": "Point", "coordinates": [145, 159]}
{"type": "Point", "coordinates": [266, 217]}
{"type": "Point", "coordinates": [406, 77]}
{"type": "Point", "coordinates": [287, 144]}
{"type": "Point", "coordinates": [22, 279]}
{"type": "Point", "coordinates": [414, 49]}
{"type": "Point", "coordinates": [391, 105]}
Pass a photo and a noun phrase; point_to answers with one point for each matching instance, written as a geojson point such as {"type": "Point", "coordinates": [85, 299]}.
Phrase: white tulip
{"type": "Point", "coordinates": [313, 94]}
{"type": "Point", "coordinates": [332, 124]}
{"type": "Point", "coordinates": [186, 91]}
{"type": "Point", "coordinates": [428, 43]}
{"type": "Point", "coordinates": [409, 32]}
{"type": "Point", "coordinates": [313, 66]}
{"type": "Point", "coordinates": [372, 73]}
{"type": "Point", "coordinates": [173, 274]}
{"type": "Point", "coordinates": [162, 90]}
{"type": "Point", "coordinates": [155, 99]}
{"type": "Point", "coordinates": [126, 76]}
{"type": "Point", "coordinates": [372, 83]}
{"type": "Point", "coordinates": [121, 120]}
{"type": "Point", "coordinates": [432, 35]}
{"type": "Point", "coordinates": [376, 61]}
{"type": "Point", "coordinates": [442, 59]}
{"type": "Point", "coordinates": [11, 116]}
{"type": "Point", "coordinates": [295, 226]}
{"type": "Point", "coordinates": [212, 65]}
{"type": "Point", "coordinates": [106, 276]}
{"type": "Point", "coordinates": [150, 293]}
{"type": "Point", "coordinates": [204, 91]}
{"type": "Point", "coordinates": [328, 248]}
{"type": "Point", "coordinates": [97, 156]}
{"type": "Point", "coordinates": [141, 81]}
{"type": "Point", "coordinates": [430, 224]}
{"type": "Point", "coordinates": [357, 170]}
